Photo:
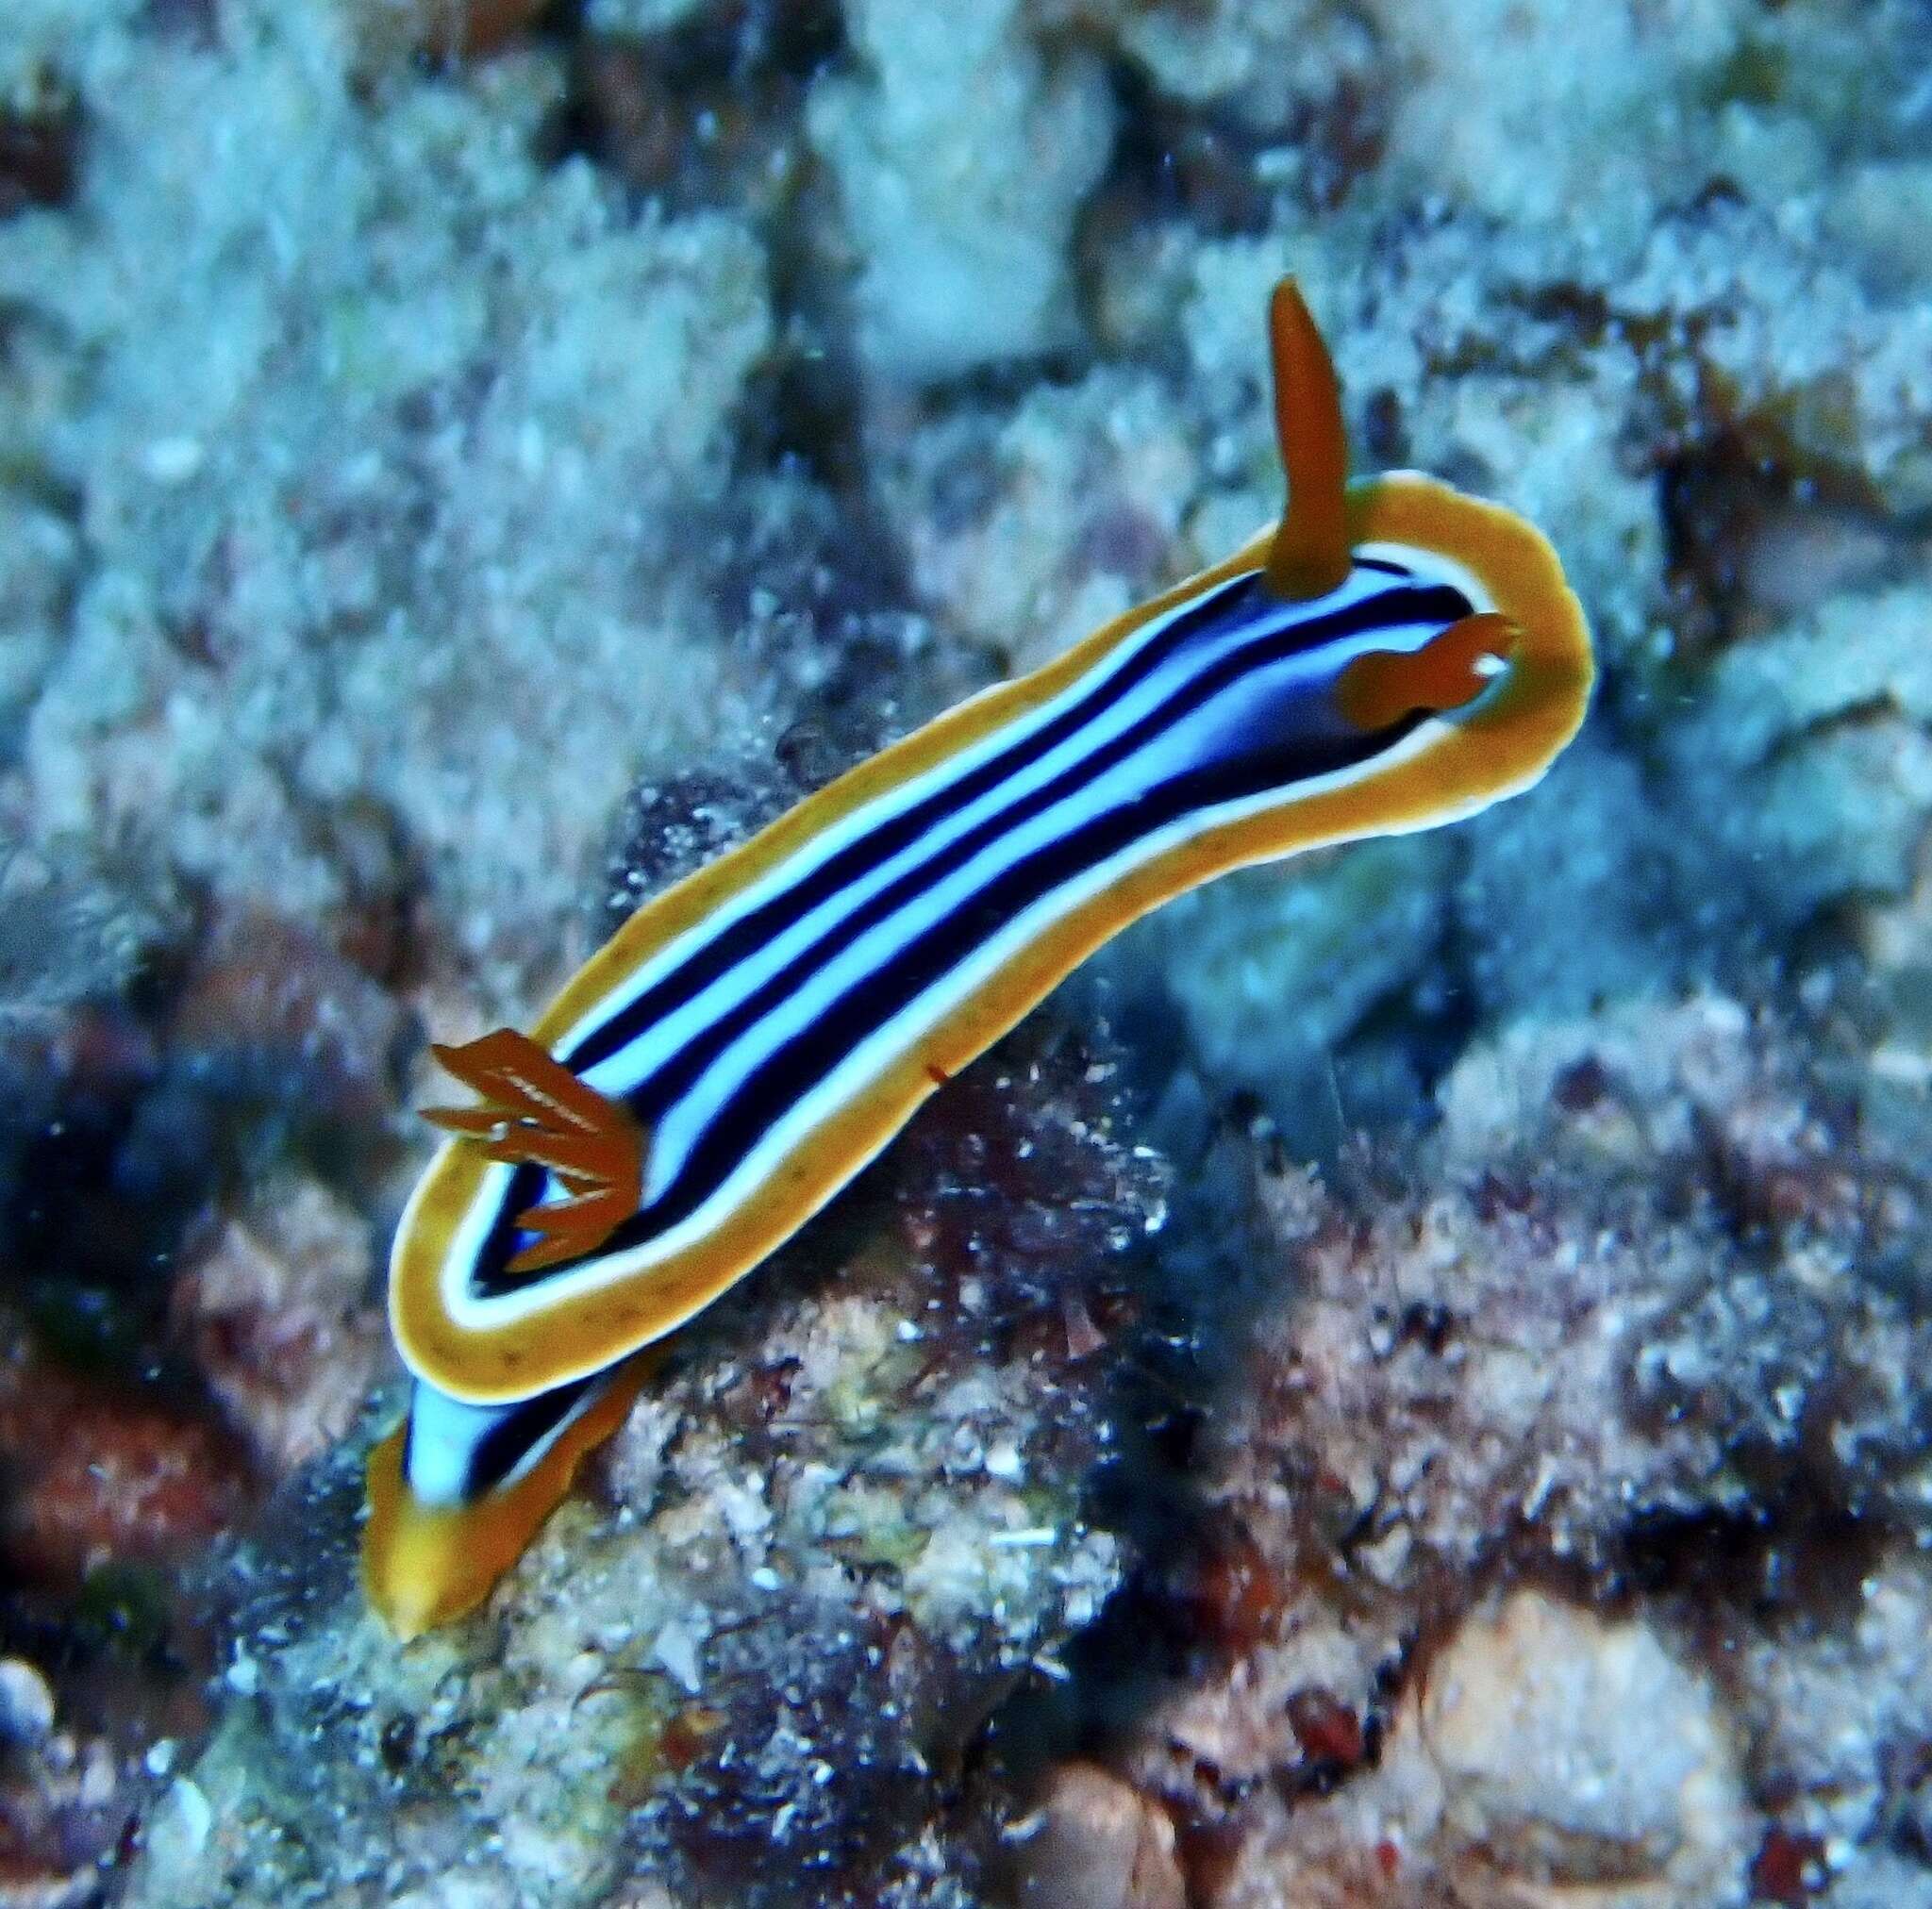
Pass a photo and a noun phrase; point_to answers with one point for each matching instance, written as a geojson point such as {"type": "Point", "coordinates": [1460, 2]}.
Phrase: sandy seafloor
{"type": "Point", "coordinates": [1405, 1385]}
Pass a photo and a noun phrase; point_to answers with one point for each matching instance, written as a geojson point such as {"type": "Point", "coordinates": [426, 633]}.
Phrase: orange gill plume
{"type": "Point", "coordinates": [534, 1110]}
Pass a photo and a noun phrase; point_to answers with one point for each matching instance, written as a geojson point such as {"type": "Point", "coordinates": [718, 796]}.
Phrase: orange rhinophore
{"type": "Point", "coordinates": [1447, 672]}
{"type": "Point", "coordinates": [1308, 555]}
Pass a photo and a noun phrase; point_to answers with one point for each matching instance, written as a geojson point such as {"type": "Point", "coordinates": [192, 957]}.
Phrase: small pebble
{"type": "Point", "coordinates": [26, 1704]}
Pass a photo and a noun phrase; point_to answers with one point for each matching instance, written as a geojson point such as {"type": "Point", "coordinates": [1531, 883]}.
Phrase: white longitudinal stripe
{"type": "Point", "coordinates": [469, 1311]}
{"type": "Point", "coordinates": [1427, 568]}
{"type": "Point", "coordinates": [1188, 742]}
{"type": "Point", "coordinates": [619, 1072]}
{"type": "Point", "coordinates": [622, 1072]}
{"type": "Point", "coordinates": [676, 1129]}
{"type": "Point", "coordinates": [445, 1434]}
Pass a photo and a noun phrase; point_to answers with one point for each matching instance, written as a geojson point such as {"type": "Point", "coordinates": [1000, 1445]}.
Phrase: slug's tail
{"type": "Point", "coordinates": [425, 1563]}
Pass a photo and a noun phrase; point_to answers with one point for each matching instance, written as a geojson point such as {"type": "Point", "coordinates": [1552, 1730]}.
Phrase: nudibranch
{"type": "Point", "coordinates": [1390, 655]}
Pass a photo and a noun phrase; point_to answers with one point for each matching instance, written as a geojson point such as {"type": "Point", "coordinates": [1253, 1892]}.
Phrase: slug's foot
{"type": "Point", "coordinates": [534, 1111]}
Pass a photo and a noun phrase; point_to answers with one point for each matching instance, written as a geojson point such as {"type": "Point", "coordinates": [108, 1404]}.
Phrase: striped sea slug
{"type": "Point", "coordinates": [1392, 654]}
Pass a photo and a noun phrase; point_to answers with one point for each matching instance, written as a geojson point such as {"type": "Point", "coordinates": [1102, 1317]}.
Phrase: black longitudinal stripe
{"type": "Point", "coordinates": [782, 911]}
{"type": "Point", "coordinates": [509, 1441]}
{"type": "Point", "coordinates": [798, 1066]}
{"type": "Point", "coordinates": [679, 1071]}
{"type": "Point", "coordinates": [771, 918]}
{"type": "Point", "coordinates": [674, 1077]}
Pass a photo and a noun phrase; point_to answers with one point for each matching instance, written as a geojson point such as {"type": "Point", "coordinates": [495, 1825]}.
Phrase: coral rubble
{"type": "Point", "coordinates": [841, 1528]}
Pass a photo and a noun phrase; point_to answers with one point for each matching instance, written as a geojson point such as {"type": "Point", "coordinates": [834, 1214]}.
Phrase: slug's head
{"type": "Point", "coordinates": [1510, 676]}
{"type": "Point", "coordinates": [1507, 666]}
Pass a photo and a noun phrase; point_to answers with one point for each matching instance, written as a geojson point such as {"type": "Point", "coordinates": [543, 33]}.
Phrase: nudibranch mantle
{"type": "Point", "coordinates": [1392, 656]}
